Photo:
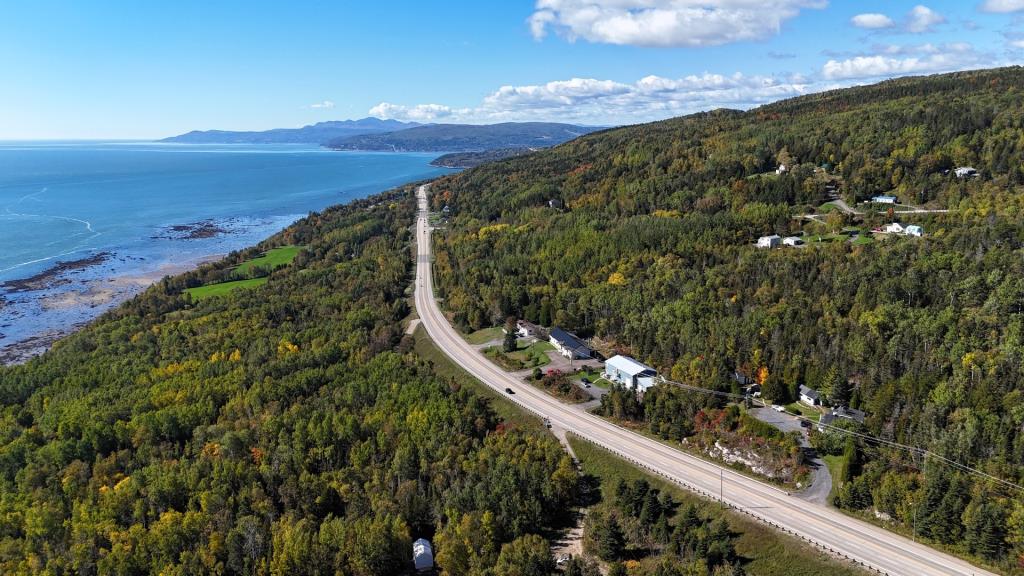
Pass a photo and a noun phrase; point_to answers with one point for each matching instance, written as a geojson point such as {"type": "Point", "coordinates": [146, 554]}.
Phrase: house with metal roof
{"type": "Point", "coordinates": [630, 372]}
{"type": "Point", "coordinates": [569, 345]}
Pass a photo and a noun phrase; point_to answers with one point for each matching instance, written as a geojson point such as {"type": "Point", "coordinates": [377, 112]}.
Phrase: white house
{"type": "Point", "coordinates": [965, 172]}
{"type": "Point", "coordinates": [769, 241]}
{"type": "Point", "coordinates": [810, 396]}
{"type": "Point", "coordinates": [569, 345]}
{"type": "Point", "coordinates": [894, 228]}
{"type": "Point", "coordinates": [781, 169]}
{"type": "Point", "coordinates": [913, 230]}
{"type": "Point", "coordinates": [793, 241]}
{"type": "Point", "coordinates": [422, 555]}
{"type": "Point", "coordinates": [885, 199]}
{"type": "Point", "coordinates": [526, 329]}
{"type": "Point", "coordinates": [629, 372]}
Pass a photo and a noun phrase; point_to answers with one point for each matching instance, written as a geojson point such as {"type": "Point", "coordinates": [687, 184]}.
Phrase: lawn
{"type": "Point", "coordinates": [805, 411]}
{"type": "Point", "coordinates": [525, 357]}
{"type": "Point", "coordinates": [863, 239]}
{"type": "Point", "coordinates": [222, 288]}
{"type": "Point", "coordinates": [271, 259]}
{"type": "Point", "coordinates": [445, 368]}
{"type": "Point", "coordinates": [765, 551]}
{"type": "Point", "coordinates": [484, 336]}
{"type": "Point", "coordinates": [594, 376]}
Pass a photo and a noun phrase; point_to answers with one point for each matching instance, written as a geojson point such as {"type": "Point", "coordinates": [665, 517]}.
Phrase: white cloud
{"type": "Point", "coordinates": [1002, 6]}
{"type": "Point", "coordinates": [589, 100]}
{"type": "Point", "coordinates": [903, 60]}
{"type": "Point", "coordinates": [872, 21]}
{"type": "Point", "coordinates": [418, 113]}
{"type": "Point", "coordinates": [325, 105]}
{"type": "Point", "coordinates": [665, 22]}
{"type": "Point", "coordinates": [923, 19]}
{"type": "Point", "coordinates": [1018, 44]}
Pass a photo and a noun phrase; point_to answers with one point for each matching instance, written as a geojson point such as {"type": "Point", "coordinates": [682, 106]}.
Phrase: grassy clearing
{"type": "Point", "coordinates": [222, 288]}
{"type": "Point", "coordinates": [270, 259]}
{"type": "Point", "coordinates": [834, 463]}
{"type": "Point", "coordinates": [484, 336]}
{"type": "Point", "coordinates": [525, 357]}
{"type": "Point", "coordinates": [765, 551]}
{"type": "Point", "coordinates": [593, 375]}
{"type": "Point", "coordinates": [805, 411]}
{"type": "Point", "coordinates": [445, 368]}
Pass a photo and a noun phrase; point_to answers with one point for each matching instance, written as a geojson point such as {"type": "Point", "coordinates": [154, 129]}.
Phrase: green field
{"type": "Point", "coordinates": [485, 335]}
{"type": "Point", "coordinates": [222, 288]}
{"type": "Point", "coordinates": [765, 551]}
{"type": "Point", "coordinates": [271, 259]}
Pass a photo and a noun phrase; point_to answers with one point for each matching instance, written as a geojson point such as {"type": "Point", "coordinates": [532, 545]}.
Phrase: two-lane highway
{"type": "Point", "coordinates": [859, 541]}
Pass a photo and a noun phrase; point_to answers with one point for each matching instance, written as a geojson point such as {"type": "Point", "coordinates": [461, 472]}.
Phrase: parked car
{"type": "Point", "coordinates": [509, 391]}
{"type": "Point", "coordinates": [586, 384]}
{"type": "Point", "coordinates": [585, 380]}
{"type": "Point", "coordinates": [805, 423]}
{"type": "Point", "coordinates": [778, 408]}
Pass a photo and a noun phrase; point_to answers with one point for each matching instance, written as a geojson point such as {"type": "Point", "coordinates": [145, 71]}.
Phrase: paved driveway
{"type": "Point", "coordinates": [821, 479]}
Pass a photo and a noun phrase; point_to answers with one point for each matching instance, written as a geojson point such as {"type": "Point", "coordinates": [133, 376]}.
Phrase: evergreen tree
{"type": "Point", "coordinates": [510, 343]}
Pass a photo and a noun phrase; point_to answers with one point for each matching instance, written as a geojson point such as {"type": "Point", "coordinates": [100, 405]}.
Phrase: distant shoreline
{"type": "Point", "coordinates": [105, 292]}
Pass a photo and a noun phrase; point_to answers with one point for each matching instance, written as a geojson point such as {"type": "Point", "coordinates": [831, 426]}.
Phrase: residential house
{"type": "Point", "coordinates": [810, 396]}
{"type": "Point", "coordinates": [965, 172]}
{"type": "Point", "coordinates": [885, 199]}
{"type": "Point", "coordinates": [769, 241]}
{"type": "Point", "coordinates": [781, 169]}
{"type": "Point", "coordinates": [793, 241]}
{"type": "Point", "coordinates": [526, 329]}
{"type": "Point", "coordinates": [569, 345]}
{"type": "Point", "coordinates": [830, 418]}
{"type": "Point", "coordinates": [913, 230]}
{"type": "Point", "coordinates": [894, 228]}
{"type": "Point", "coordinates": [629, 372]}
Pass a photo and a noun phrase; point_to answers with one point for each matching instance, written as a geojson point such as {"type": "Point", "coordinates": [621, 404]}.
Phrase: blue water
{"type": "Point", "coordinates": [63, 201]}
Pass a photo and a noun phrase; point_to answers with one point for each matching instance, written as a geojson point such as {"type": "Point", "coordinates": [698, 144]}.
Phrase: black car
{"type": "Point", "coordinates": [585, 380]}
{"type": "Point", "coordinates": [805, 423]}
{"type": "Point", "coordinates": [509, 391]}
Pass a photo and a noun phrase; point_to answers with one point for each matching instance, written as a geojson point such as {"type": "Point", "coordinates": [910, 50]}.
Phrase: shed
{"type": "Point", "coordinates": [793, 241]}
{"type": "Point", "coordinates": [769, 241]}
{"type": "Point", "coordinates": [422, 555]}
{"type": "Point", "coordinates": [965, 172]}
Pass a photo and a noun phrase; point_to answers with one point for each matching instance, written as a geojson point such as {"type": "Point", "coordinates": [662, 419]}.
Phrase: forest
{"type": "Point", "coordinates": [643, 238]}
{"type": "Point", "coordinates": [282, 430]}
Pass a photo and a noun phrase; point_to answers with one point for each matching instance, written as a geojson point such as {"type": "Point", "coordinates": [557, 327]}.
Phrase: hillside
{"type": "Point", "coordinates": [653, 254]}
{"type": "Point", "coordinates": [474, 159]}
{"type": "Point", "coordinates": [465, 137]}
{"type": "Point", "coordinates": [312, 134]}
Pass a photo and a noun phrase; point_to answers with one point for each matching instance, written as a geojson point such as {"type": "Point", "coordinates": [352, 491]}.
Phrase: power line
{"type": "Point", "coordinates": [866, 437]}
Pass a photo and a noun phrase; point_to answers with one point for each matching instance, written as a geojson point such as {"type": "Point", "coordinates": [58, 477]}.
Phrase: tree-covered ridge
{"type": "Point", "coordinates": [271, 431]}
{"type": "Point", "coordinates": [652, 252]}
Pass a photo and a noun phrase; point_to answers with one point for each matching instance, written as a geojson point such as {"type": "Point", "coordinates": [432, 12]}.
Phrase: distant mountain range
{"type": "Point", "coordinates": [464, 137]}
{"type": "Point", "coordinates": [314, 134]}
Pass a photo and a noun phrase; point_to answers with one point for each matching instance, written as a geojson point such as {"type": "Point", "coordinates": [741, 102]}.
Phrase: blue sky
{"type": "Point", "coordinates": [119, 69]}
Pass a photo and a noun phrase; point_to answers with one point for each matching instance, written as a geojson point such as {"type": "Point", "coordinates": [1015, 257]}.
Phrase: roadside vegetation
{"type": "Point", "coordinates": [653, 253]}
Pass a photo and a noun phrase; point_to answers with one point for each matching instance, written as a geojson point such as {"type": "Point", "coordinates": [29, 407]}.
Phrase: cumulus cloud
{"type": "Point", "coordinates": [325, 105]}
{"type": "Point", "coordinates": [417, 113]}
{"type": "Point", "coordinates": [903, 60]}
{"type": "Point", "coordinates": [665, 22]}
{"type": "Point", "coordinates": [1002, 6]}
{"type": "Point", "coordinates": [590, 100]}
{"type": "Point", "coordinates": [872, 21]}
{"type": "Point", "coordinates": [1017, 44]}
{"type": "Point", "coordinates": [923, 19]}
